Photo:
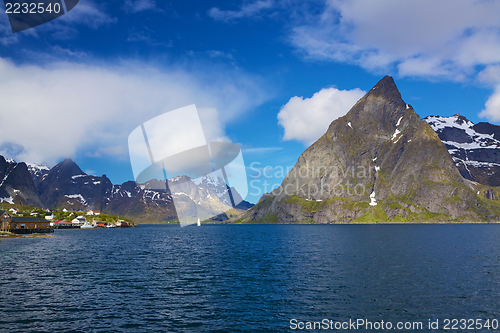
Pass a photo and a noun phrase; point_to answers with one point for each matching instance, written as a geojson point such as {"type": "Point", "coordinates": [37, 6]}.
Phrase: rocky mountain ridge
{"type": "Point", "coordinates": [379, 163]}
{"type": "Point", "coordinates": [67, 186]}
{"type": "Point", "coordinates": [475, 148]}
{"type": "Point", "coordinates": [16, 184]}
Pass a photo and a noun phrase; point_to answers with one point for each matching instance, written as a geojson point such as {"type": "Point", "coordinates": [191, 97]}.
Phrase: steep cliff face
{"type": "Point", "coordinates": [16, 184]}
{"type": "Point", "coordinates": [379, 162]}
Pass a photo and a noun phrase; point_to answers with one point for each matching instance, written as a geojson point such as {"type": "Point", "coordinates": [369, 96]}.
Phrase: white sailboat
{"type": "Point", "coordinates": [198, 223]}
{"type": "Point", "coordinates": [86, 225]}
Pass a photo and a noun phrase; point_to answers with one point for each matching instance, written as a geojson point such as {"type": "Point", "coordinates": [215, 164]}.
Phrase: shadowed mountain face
{"type": "Point", "coordinates": [474, 148]}
{"type": "Point", "coordinates": [67, 186]}
{"type": "Point", "coordinates": [16, 185]}
{"type": "Point", "coordinates": [379, 162]}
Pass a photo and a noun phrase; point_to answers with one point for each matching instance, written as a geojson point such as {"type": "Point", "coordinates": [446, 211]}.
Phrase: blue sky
{"type": "Point", "coordinates": [269, 75]}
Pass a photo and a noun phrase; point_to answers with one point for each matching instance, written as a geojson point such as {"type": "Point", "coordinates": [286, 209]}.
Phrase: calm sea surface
{"type": "Point", "coordinates": [248, 278]}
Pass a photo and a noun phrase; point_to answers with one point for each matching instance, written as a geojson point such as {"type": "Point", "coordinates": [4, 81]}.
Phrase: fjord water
{"type": "Point", "coordinates": [247, 278]}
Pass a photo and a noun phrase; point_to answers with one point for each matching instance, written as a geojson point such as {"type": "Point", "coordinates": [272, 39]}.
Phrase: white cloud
{"type": "Point", "coordinates": [119, 151]}
{"type": "Point", "coordinates": [251, 9]}
{"type": "Point", "coordinates": [86, 13]}
{"type": "Point", "coordinates": [492, 106]}
{"type": "Point", "coordinates": [220, 54]}
{"type": "Point", "coordinates": [55, 111]}
{"type": "Point", "coordinates": [139, 5]}
{"type": "Point", "coordinates": [213, 128]}
{"type": "Point", "coordinates": [307, 119]}
{"type": "Point", "coordinates": [145, 37]}
{"type": "Point", "coordinates": [490, 75]}
{"type": "Point", "coordinates": [6, 36]}
{"type": "Point", "coordinates": [445, 38]}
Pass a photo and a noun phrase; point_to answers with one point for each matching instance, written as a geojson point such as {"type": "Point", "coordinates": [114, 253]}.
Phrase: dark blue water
{"type": "Point", "coordinates": [247, 278]}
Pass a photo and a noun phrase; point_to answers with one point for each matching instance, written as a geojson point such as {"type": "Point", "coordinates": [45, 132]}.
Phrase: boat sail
{"type": "Point", "coordinates": [86, 225]}
{"type": "Point", "coordinates": [198, 223]}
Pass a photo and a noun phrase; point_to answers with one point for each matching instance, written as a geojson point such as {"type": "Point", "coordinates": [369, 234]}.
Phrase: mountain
{"type": "Point", "coordinates": [473, 147]}
{"type": "Point", "coordinates": [141, 204]}
{"type": "Point", "coordinates": [37, 171]}
{"type": "Point", "coordinates": [16, 184]}
{"type": "Point", "coordinates": [379, 162]}
{"type": "Point", "coordinates": [67, 186]}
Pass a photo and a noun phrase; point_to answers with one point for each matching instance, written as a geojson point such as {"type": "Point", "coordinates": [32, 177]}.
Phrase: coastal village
{"type": "Point", "coordinates": [29, 220]}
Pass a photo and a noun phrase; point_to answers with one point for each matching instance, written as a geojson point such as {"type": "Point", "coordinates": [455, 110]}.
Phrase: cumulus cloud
{"type": "Point", "coordinates": [61, 109]}
{"type": "Point", "coordinates": [251, 9]}
{"type": "Point", "coordinates": [492, 106]}
{"type": "Point", "coordinates": [491, 76]}
{"type": "Point", "coordinates": [444, 38]}
{"type": "Point", "coordinates": [307, 119]}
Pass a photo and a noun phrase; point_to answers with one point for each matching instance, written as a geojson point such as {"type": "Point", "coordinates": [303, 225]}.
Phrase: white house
{"type": "Point", "coordinates": [80, 220]}
{"type": "Point", "coordinates": [49, 216]}
{"type": "Point", "coordinates": [93, 212]}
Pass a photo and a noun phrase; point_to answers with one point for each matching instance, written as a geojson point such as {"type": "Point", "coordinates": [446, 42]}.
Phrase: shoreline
{"type": "Point", "coordinates": [7, 235]}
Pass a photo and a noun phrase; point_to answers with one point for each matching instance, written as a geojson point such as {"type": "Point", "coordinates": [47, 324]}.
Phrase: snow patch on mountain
{"type": "Point", "coordinates": [373, 201]}
{"type": "Point", "coordinates": [8, 200]}
{"type": "Point", "coordinates": [473, 147]}
{"type": "Point", "coordinates": [477, 140]}
{"type": "Point", "coordinates": [79, 197]}
{"type": "Point", "coordinates": [396, 133]}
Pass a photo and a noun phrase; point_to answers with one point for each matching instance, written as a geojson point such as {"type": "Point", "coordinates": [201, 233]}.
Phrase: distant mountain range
{"type": "Point", "coordinates": [382, 163]}
{"type": "Point", "coordinates": [67, 186]}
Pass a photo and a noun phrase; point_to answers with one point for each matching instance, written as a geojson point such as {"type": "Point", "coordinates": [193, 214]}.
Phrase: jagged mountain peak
{"type": "Point", "coordinates": [37, 170]}
{"type": "Point", "coordinates": [452, 121]}
{"type": "Point", "coordinates": [16, 184]}
{"type": "Point", "coordinates": [385, 87]}
{"type": "Point", "coordinates": [6, 161]}
{"type": "Point", "coordinates": [41, 166]}
{"type": "Point", "coordinates": [379, 117]}
{"type": "Point", "coordinates": [379, 110]}
{"type": "Point", "coordinates": [68, 167]}
{"type": "Point", "coordinates": [461, 119]}
{"type": "Point", "coordinates": [380, 162]}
